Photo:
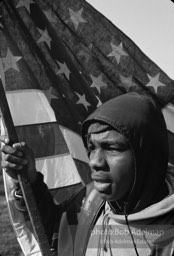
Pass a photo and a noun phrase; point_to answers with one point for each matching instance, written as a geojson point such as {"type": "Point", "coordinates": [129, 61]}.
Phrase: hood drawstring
{"type": "Point", "coordinates": [104, 239]}
{"type": "Point", "coordinates": [130, 232]}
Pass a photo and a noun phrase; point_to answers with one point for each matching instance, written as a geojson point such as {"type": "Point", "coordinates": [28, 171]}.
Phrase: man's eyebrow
{"type": "Point", "coordinates": [115, 141]}
{"type": "Point", "coordinates": [120, 142]}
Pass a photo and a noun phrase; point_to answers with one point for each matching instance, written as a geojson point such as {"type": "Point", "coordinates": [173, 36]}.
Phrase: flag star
{"type": "Point", "coordinates": [76, 17]}
{"type": "Point", "coordinates": [10, 61]}
{"type": "Point", "coordinates": [49, 94]}
{"type": "Point", "coordinates": [127, 82]}
{"type": "Point", "coordinates": [25, 3]}
{"type": "Point", "coordinates": [154, 82]}
{"type": "Point", "coordinates": [49, 14]}
{"type": "Point", "coordinates": [117, 52]}
{"type": "Point", "coordinates": [82, 100]}
{"type": "Point", "coordinates": [90, 47]}
{"type": "Point", "coordinates": [44, 37]}
{"type": "Point", "coordinates": [63, 69]}
{"type": "Point", "coordinates": [97, 82]}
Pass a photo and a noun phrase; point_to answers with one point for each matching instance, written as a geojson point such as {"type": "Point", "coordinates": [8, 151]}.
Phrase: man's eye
{"type": "Point", "coordinates": [112, 149]}
{"type": "Point", "coordinates": [91, 148]}
{"type": "Point", "coordinates": [115, 148]}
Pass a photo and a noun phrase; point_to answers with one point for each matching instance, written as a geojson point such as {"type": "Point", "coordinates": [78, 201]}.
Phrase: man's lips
{"type": "Point", "coordinates": [101, 186]}
{"type": "Point", "coordinates": [100, 176]}
{"type": "Point", "coordinates": [101, 181]}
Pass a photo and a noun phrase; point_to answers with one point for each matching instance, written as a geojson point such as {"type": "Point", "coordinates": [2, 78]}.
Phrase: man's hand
{"type": "Point", "coordinates": [18, 157]}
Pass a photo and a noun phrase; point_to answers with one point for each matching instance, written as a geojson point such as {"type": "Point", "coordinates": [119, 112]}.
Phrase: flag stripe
{"type": "Point", "coordinates": [63, 194]}
{"type": "Point", "coordinates": [168, 113]}
{"type": "Point", "coordinates": [84, 171]}
{"type": "Point", "coordinates": [32, 105]}
{"type": "Point", "coordinates": [58, 171]}
{"type": "Point", "coordinates": [44, 139]}
{"type": "Point", "coordinates": [75, 144]}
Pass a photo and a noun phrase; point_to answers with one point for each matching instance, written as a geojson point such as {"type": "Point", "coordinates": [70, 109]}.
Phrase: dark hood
{"type": "Point", "coordinates": [140, 119]}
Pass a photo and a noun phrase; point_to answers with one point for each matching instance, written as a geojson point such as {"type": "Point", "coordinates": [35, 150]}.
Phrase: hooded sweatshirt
{"type": "Point", "coordinates": [140, 120]}
{"type": "Point", "coordinates": [152, 229]}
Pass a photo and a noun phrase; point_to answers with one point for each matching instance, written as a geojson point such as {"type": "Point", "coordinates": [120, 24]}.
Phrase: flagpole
{"type": "Point", "coordinates": [23, 181]}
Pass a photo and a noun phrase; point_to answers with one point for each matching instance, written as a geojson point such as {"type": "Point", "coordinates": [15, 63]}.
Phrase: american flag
{"type": "Point", "coordinates": [59, 61]}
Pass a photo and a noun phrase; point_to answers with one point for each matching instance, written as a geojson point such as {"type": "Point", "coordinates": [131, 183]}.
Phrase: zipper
{"type": "Point", "coordinates": [91, 227]}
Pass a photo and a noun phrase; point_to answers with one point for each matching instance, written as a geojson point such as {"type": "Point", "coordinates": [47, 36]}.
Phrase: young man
{"type": "Point", "coordinates": [128, 208]}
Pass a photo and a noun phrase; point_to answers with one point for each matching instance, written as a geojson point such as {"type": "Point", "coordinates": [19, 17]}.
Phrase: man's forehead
{"type": "Point", "coordinates": [110, 135]}
{"type": "Point", "coordinates": [101, 131]}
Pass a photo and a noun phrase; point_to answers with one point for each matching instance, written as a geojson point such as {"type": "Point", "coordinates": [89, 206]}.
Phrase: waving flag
{"type": "Point", "coordinates": [59, 61]}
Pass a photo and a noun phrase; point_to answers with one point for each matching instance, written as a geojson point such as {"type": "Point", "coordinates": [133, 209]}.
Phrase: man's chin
{"type": "Point", "coordinates": [106, 197]}
{"type": "Point", "coordinates": [109, 197]}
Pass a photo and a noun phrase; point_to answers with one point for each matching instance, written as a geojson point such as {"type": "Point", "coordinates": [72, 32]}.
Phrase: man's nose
{"type": "Point", "coordinates": [97, 159]}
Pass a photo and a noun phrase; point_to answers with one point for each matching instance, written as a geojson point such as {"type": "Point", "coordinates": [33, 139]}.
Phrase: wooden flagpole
{"type": "Point", "coordinates": [23, 181]}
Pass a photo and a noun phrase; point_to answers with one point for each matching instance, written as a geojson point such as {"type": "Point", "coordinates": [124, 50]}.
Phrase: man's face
{"type": "Point", "coordinates": [112, 164]}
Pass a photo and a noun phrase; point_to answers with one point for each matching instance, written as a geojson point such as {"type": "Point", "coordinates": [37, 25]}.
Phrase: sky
{"type": "Point", "coordinates": [149, 23]}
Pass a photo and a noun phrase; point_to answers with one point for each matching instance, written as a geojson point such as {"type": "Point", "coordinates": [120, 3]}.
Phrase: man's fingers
{"type": "Point", "coordinates": [4, 139]}
{"type": "Point", "coordinates": [20, 146]}
{"type": "Point", "coordinates": [23, 147]}
{"type": "Point", "coordinates": [11, 150]}
{"type": "Point", "coordinates": [11, 166]}
{"type": "Point", "coordinates": [8, 149]}
{"type": "Point", "coordinates": [14, 160]}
